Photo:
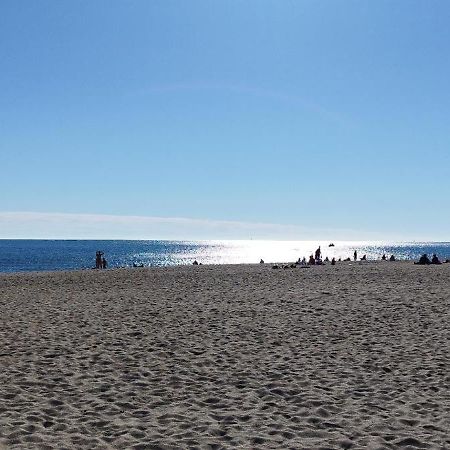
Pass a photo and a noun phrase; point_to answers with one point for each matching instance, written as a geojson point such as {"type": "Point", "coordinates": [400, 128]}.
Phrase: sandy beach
{"type": "Point", "coordinates": [352, 356]}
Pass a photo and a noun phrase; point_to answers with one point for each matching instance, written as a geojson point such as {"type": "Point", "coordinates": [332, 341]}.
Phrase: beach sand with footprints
{"type": "Point", "coordinates": [355, 356]}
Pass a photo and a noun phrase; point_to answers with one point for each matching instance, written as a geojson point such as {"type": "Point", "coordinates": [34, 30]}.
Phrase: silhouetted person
{"type": "Point", "coordinates": [392, 258]}
{"type": "Point", "coordinates": [312, 261]}
{"type": "Point", "coordinates": [318, 253]}
{"type": "Point", "coordinates": [301, 262]}
{"type": "Point", "coordinates": [383, 258]}
{"type": "Point", "coordinates": [424, 260]}
{"type": "Point", "coordinates": [195, 263]}
{"type": "Point", "coordinates": [98, 259]}
{"type": "Point", "coordinates": [261, 261]}
{"type": "Point", "coordinates": [364, 258]}
{"type": "Point", "coordinates": [355, 255]}
{"type": "Point", "coordinates": [333, 262]}
{"type": "Point", "coordinates": [104, 263]}
{"type": "Point", "coordinates": [435, 259]}
{"type": "Point", "coordinates": [326, 259]}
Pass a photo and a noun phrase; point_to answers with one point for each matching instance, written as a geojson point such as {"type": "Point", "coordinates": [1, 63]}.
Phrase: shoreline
{"type": "Point", "coordinates": [266, 264]}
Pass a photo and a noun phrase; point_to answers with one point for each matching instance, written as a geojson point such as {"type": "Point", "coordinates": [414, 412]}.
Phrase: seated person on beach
{"type": "Point", "coordinates": [195, 263]}
{"type": "Point", "coordinates": [435, 259]}
{"type": "Point", "coordinates": [364, 258]}
{"type": "Point", "coordinates": [347, 259]}
{"type": "Point", "coordinates": [423, 260]}
{"type": "Point", "coordinates": [326, 259]}
{"type": "Point", "coordinates": [383, 258]}
{"type": "Point", "coordinates": [261, 261]}
{"type": "Point", "coordinates": [311, 261]}
{"type": "Point", "coordinates": [392, 258]}
{"type": "Point", "coordinates": [301, 262]}
{"type": "Point", "coordinates": [333, 262]}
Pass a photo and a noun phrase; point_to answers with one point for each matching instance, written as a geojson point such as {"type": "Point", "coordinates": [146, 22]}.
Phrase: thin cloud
{"type": "Point", "coordinates": [39, 225]}
{"type": "Point", "coordinates": [253, 91]}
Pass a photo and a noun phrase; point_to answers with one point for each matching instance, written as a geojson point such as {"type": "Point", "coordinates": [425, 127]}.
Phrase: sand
{"type": "Point", "coordinates": [352, 356]}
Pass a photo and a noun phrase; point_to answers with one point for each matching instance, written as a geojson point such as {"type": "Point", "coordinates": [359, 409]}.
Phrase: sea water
{"type": "Point", "coordinates": [42, 255]}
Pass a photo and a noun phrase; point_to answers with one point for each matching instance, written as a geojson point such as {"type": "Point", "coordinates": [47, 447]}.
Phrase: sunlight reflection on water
{"type": "Point", "coordinates": [235, 252]}
{"type": "Point", "coordinates": [23, 255]}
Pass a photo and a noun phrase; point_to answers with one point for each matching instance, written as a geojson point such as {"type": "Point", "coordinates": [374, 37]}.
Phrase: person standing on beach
{"type": "Point", "coordinates": [98, 259]}
{"type": "Point", "coordinates": [104, 263]}
{"type": "Point", "coordinates": [355, 255]}
{"type": "Point", "coordinates": [318, 253]}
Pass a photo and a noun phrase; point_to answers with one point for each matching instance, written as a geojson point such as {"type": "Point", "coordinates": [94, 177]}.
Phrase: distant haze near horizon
{"type": "Point", "coordinates": [314, 119]}
{"type": "Point", "coordinates": [29, 225]}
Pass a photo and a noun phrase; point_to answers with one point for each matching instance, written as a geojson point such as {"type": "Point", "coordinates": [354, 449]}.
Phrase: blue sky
{"type": "Point", "coordinates": [300, 115]}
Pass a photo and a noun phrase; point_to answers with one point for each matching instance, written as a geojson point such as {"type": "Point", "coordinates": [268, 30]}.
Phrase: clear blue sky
{"type": "Point", "coordinates": [314, 114]}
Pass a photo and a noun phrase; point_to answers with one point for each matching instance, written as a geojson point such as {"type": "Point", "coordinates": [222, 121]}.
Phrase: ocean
{"type": "Point", "coordinates": [44, 255]}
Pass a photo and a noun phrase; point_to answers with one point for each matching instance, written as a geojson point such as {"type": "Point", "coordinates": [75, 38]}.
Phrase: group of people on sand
{"type": "Point", "coordinates": [424, 260]}
{"type": "Point", "coordinates": [100, 261]}
{"type": "Point", "coordinates": [315, 259]}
